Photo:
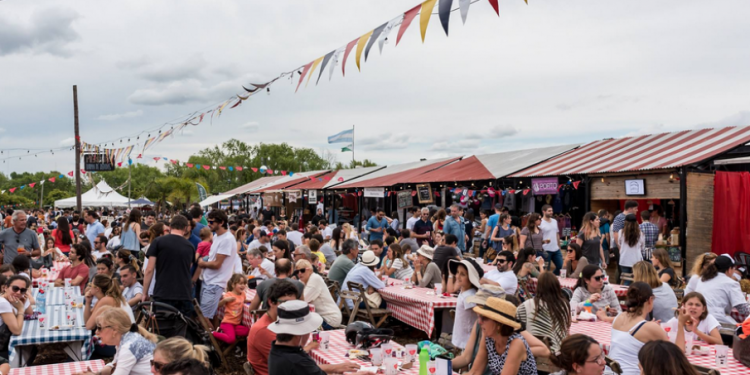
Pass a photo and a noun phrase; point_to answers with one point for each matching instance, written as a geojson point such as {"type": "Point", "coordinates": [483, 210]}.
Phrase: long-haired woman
{"type": "Point", "coordinates": [590, 239]}
{"type": "Point", "coordinates": [502, 230]}
{"type": "Point", "coordinates": [579, 355]}
{"type": "Point", "coordinates": [241, 236]}
{"type": "Point", "coordinates": [131, 232]}
{"type": "Point", "coordinates": [337, 239]}
{"type": "Point", "coordinates": [107, 292]}
{"type": "Point", "coordinates": [664, 358]}
{"type": "Point", "coordinates": [526, 265]}
{"type": "Point", "coordinates": [349, 232]}
{"type": "Point", "coordinates": [724, 292]}
{"type": "Point", "coordinates": [548, 313]}
{"type": "Point", "coordinates": [63, 235]}
{"type": "Point", "coordinates": [591, 288]}
{"type": "Point", "coordinates": [531, 235]}
{"type": "Point", "coordinates": [701, 262]}
{"type": "Point", "coordinates": [396, 264]}
{"type": "Point", "coordinates": [156, 230]}
{"type": "Point", "coordinates": [124, 257]}
{"type": "Point", "coordinates": [632, 242]}
{"type": "Point", "coordinates": [665, 302]}
{"type": "Point", "coordinates": [175, 349]}
{"type": "Point", "coordinates": [574, 261]}
{"type": "Point", "coordinates": [660, 260]}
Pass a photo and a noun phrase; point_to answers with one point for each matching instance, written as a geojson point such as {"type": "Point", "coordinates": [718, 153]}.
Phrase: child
{"type": "Point", "coordinates": [463, 276]}
{"type": "Point", "coordinates": [233, 302]}
{"type": "Point", "coordinates": [702, 325]}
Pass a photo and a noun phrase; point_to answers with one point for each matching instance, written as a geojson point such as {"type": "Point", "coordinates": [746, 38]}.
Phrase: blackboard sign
{"type": "Point", "coordinates": [404, 199]}
{"type": "Point", "coordinates": [97, 162]}
{"type": "Point", "coordinates": [424, 193]}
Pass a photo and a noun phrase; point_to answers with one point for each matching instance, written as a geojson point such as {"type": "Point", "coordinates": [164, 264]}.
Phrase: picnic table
{"type": "Point", "coordinates": [570, 283]}
{"type": "Point", "coordinates": [56, 295]}
{"type": "Point", "coordinates": [78, 338]}
{"type": "Point", "coordinates": [339, 348]}
{"type": "Point", "coordinates": [52, 272]}
{"type": "Point", "coordinates": [416, 306]}
{"type": "Point", "coordinates": [602, 332]}
{"type": "Point", "coordinates": [68, 368]}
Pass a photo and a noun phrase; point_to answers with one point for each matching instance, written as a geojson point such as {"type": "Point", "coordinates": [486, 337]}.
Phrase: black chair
{"type": "Point", "coordinates": [743, 260]}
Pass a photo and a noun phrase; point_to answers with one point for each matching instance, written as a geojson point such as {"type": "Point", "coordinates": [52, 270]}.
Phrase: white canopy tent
{"type": "Point", "coordinates": [101, 195]}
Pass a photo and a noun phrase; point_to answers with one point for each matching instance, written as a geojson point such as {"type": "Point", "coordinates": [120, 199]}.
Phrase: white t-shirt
{"type": "Point", "coordinates": [224, 245]}
{"type": "Point", "coordinates": [133, 290]}
{"type": "Point", "coordinates": [706, 326]}
{"type": "Point", "coordinates": [295, 237]}
{"type": "Point", "coordinates": [507, 280]}
{"type": "Point", "coordinates": [401, 271]}
{"type": "Point", "coordinates": [722, 294]}
{"type": "Point", "coordinates": [153, 277]}
{"type": "Point", "coordinates": [6, 307]}
{"type": "Point", "coordinates": [692, 284]}
{"type": "Point", "coordinates": [266, 265]}
{"type": "Point", "coordinates": [316, 292]}
{"type": "Point", "coordinates": [410, 223]}
{"type": "Point", "coordinates": [256, 244]}
{"type": "Point", "coordinates": [465, 319]}
{"type": "Point", "coordinates": [631, 255]}
{"type": "Point", "coordinates": [98, 254]}
{"type": "Point", "coordinates": [327, 233]}
{"type": "Point", "coordinates": [549, 232]}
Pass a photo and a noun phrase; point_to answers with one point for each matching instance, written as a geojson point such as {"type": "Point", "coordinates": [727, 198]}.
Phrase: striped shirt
{"type": "Point", "coordinates": [542, 325]}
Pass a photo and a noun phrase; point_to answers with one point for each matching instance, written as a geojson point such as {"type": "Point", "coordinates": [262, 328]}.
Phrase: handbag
{"type": "Point", "coordinates": [374, 299]}
{"type": "Point", "coordinates": [741, 348]}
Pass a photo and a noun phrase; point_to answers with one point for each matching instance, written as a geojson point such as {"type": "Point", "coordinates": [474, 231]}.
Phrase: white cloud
{"type": "Point", "coordinates": [251, 126]}
{"type": "Point", "coordinates": [182, 92]}
{"type": "Point", "coordinates": [67, 142]}
{"type": "Point", "coordinates": [2, 130]}
{"type": "Point", "coordinates": [119, 116]}
{"type": "Point", "coordinates": [48, 31]}
{"type": "Point", "coordinates": [741, 118]}
{"type": "Point", "coordinates": [386, 142]}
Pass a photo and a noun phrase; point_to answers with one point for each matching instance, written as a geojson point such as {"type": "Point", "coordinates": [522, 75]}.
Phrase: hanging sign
{"type": "Point", "coordinates": [98, 162]}
{"type": "Point", "coordinates": [544, 186]}
{"type": "Point", "coordinates": [378, 192]}
{"type": "Point", "coordinates": [312, 196]}
{"type": "Point", "coordinates": [424, 193]}
{"type": "Point", "coordinates": [405, 199]}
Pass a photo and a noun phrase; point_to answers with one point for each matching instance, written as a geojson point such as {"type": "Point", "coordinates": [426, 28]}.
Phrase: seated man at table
{"type": "Point", "coordinates": [293, 326]}
{"type": "Point", "coordinates": [364, 273]}
{"type": "Point", "coordinates": [345, 262]}
{"type": "Point", "coordinates": [133, 290]}
{"type": "Point", "coordinates": [78, 270]}
{"type": "Point", "coordinates": [503, 275]}
{"type": "Point", "coordinates": [283, 269]}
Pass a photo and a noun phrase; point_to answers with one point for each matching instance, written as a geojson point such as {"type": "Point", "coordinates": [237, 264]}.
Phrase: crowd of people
{"type": "Point", "coordinates": [214, 256]}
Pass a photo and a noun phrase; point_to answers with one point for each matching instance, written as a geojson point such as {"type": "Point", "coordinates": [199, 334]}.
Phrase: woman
{"type": "Point", "coordinates": [722, 292]}
{"type": "Point", "coordinates": [574, 261]}
{"type": "Point", "coordinates": [439, 220]}
{"type": "Point", "coordinates": [131, 232]}
{"type": "Point", "coordinates": [660, 260]}
{"type": "Point", "coordinates": [439, 238]}
{"type": "Point", "coordinates": [426, 272]}
{"type": "Point", "coordinates": [664, 358]}
{"type": "Point", "coordinates": [506, 244]}
{"type": "Point", "coordinates": [590, 240]}
{"type": "Point", "coordinates": [504, 351]}
{"type": "Point", "coordinates": [115, 241]}
{"type": "Point", "coordinates": [665, 302]}
{"type": "Point", "coordinates": [13, 305]}
{"type": "Point", "coordinates": [657, 218]}
{"type": "Point", "coordinates": [701, 262]}
{"type": "Point", "coordinates": [337, 239]}
{"type": "Point", "coordinates": [107, 293]}
{"type": "Point", "coordinates": [156, 230]}
{"type": "Point", "coordinates": [396, 265]}
{"type": "Point", "coordinates": [124, 257]}
{"type": "Point", "coordinates": [52, 251]}
{"type": "Point", "coordinates": [175, 349]}
{"type": "Point", "coordinates": [63, 235]}
{"type": "Point", "coordinates": [280, 250]}
{"type": "Point", "coordinates": [604, 224]}
{"type": "Point", "coordinates": [531, 235]}
{"type": "Point", "coordinates": [316, 293]}
{"type": "Point", "coordinates": [548, 313]}
{"type": "Point", "coordinates": [632, 329]}
{"type": "Point", "coordinates": [701, 325]}
{"type": "Point", "coordinates": [349, 232]}
{"type": "Point", "coordinates": [502, 230]}
{"type": "Point", "coordinates": [631, 244]}
{"type": "Point", "coordinates": [579, 355]}
{"type": "Point", "coordinates": [525, 264]}
{"type": "Point", "coordinates": [241, 236]}
{"type": "Point", "coordinates": [591, 288]}
{"type": "Point", "coordinates": [395, 223]}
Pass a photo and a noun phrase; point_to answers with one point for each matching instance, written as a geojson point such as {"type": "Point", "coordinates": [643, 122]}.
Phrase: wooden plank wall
{"type": "Point", "coordinates": [658, 186]}
{"type": "Point", "coordinates": [700, 214]}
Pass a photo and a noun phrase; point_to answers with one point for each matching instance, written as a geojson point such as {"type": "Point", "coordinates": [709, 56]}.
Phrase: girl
{"type": "Point", "coordinates": [396, 265]}
{"type": "Point", "coordinates": [574, 261]}
{"type": "Point", "coordinates": [548, 313]}
{"type": "Point", "coordinates": [464, 277]}
{"type": "Point", "coordinates": [701, 324]}
{"type": "Point", "coordinates": [579, 355]}
{"type": "Point", "coordinates": [51, 250]}
{"type": "Point", "coordinates": [115, 242]}
{"type": "Point", "coordinates": [660, 260]}
{"type": "Point", "coordinates": [63, 235]}
{"type": "Point", "coordinates": [664, 358]}
{"type": "Point", "coordinates": [439, 238]}
{"type": "Point", "coordinates": [233, 301]}
{"type": "Point", "coordinates": [107, 292]}
{"type": "Point", "coordinates": [124, 257]}
{"type": "Point", "coordinates": [531, 235]}
{"type": "Point", "coordinates": [632, 243]}
{"type": "Point", "coordinates": [525, 267]}
{"type": "Point", "coordinates": [665, 302]}
{"type": "Point", "coordinates": [506, 244]}
{"type": "Point", "coordinates": [590, 239]}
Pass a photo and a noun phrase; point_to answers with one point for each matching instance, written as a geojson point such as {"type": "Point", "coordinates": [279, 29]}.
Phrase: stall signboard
{"type": "Point", "coordinates": [97, 162]}
{"type": "Point", "coordinates": [405, 199]}
{"type": "Point", "coordinates": [292, 196]}
{"type": "Point", "coordinates": [312, 197]}
{"type": "Point", "coordinates": [544, 186]}
{"type": "Point", "coordinates": [424, 193]}
{"type": "Point", "coordinates": [377, 192]}
{"type": "Point", "coordinates": [635, 187]}
{"type": "Point", "coordinates": [272, 199]}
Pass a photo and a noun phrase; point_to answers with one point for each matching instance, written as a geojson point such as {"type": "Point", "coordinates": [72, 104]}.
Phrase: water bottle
{"type": "Point", "coordinates": [424, 357]}
{"type": "Point", "coordinates": [41, 301]}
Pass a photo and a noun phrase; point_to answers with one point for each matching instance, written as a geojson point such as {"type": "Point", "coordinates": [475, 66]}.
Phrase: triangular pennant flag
{"type": "Point", "coordinates": [270, 171]}
{"type": "Point", "coordinates": [511, 191]}
{"type": "Point", "coordinates": [526, 191]}
{"type": "Point", "coordinates": [165, 158]}
{"type": "Point", "coordinates": [189, 165]}
{"type": "Point", "coordinates": [2, 192]}
{"type": "Point", "coordinates": [22, 186]}
{"type": "Point", "coordinates": [323, 65]}
{"type": "Point", "coordinates": [119, 164]}
{"type": "Point", "coordinates": [346, 54]}
{"type": "Point", "coordinates": [254, 169]}
{"type": "Point", "coordinates": [494, 6]}
{"type": "Point", "coordinates": [302, 76]}
{"type": "Point", "coordinates": [408, 17]}
{"type": "Point", "coordinates": [83, 171]}
{"type": "Point", "coordinates": [312, 70]}
{"type": "Point", "coordinates": [231, 168]}
{"type": "Point", "coordinates": [291, 174]}
{"type": "Point", "coordinates": [437, 193]}
{"type": "Point", "coordinates": [239, 168]}
{"type": "Point", "coordinates": [283, 173]}
{"type": "Point", "coordinates": [575, 184]}
{"type": "Point", "coordinates": [424, 16]}
{"type": "Point", "coordinates": [156, 158]}
{"type": "Point", "coordinates": [444, 10]}
{"type": "Point", "coordinates": [360, 47]}
{"type": "Point", "coordinates": [464, 6]}
{"type": "Point", "coordinates": [335, 61]}
{"type": "Point", "coordinates": [32, 184]}
{"type": "Point", "coordinates": [387, 31]}
{"type": "Point", "coordinates": [375, 36]}
{"type": "Point", "coordinates": [206, 167]}
{"type": "Point", "coordinates": [340, 179]}
{"type": "Point", "coordinates": [559, 187]}
{"type": "Point", "coordinates": [60, 176]}
{"type": "Point", "coordinates": [320, 179]}
{"type": "Point", "coordinates": [327, 178]}
{"type": "Point", "coordinates": [12, 190]}
{"type": "Point", "coordinates": [223, 168]}
{"type": "Point", "coordinates": [52, 179]}
{"type": "Point", "coordinates": [197, 166]}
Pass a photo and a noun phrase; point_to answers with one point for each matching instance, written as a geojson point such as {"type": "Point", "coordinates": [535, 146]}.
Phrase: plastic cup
{"type": "Point", "coordinates": [431, 367]}
{"type": "Point", "coordinates": [376, 356]}
{"type": "Point", "coordinates": [325, 341]}
{"type": "Point", "coordinates": [391, 366]}
{"type": "Point", "coordinates": [410, 353]}
{"type": "Point", "coordinates": [67, 283]}
{"type": "Point", "coordinates": [43, 322]}
{"type": "Point", "coordinates": [70, 317]}
{"type": "Point", "coordinates": [387, 349]}
{"type": "Point", "coordinates": [438, 289]}
{"type": "Point", "coordinates": [722, 352]}
{"type": "Point", "coordinates": [563, 273]}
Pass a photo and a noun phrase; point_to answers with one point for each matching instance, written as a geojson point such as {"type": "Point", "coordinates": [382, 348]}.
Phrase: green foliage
{"type": "Point", "coordinates": [65, 187]}
{"type": "Point", "coordinates": [356, 163]}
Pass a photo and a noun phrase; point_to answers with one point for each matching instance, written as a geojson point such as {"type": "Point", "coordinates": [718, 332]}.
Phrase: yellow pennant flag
{"type": "Point", "coordinates": [315, 65]}
{"type": "Point", "coordinates": [424, 16]}
{"type": "Point", "coordinates": [361, 46]}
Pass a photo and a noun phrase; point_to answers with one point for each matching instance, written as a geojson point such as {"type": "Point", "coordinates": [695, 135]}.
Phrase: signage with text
{"type": "Point", "coordinates": [543, 186]}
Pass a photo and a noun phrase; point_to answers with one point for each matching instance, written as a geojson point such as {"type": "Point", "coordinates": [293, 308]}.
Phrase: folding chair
{"type": "Point", "coordinates": [626, 277]}
{"type": "Point", "coordinates": [370, 313]}
{"type": "Point", "coordinates": [705, 370]}
{"type": "Point", "coordinates": [348, 295]}
{"type": "Point", "coordinates": [214, 342]}
{"type": "Point", "coordinates": [543, 363]}
{"type": "Point", "coordinates": [613, 365]}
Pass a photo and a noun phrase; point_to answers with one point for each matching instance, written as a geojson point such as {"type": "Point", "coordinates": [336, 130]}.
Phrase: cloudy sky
{"type": "Point", "coordinates": [548, 73]}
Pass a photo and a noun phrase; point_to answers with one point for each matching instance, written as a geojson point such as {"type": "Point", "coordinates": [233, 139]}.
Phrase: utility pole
{"type": "Point", "coordinates": [41, 199]}
{"type": "Point", "coordinates": [353, 164]}
{"type": "Point", "coordinates": [78, 149]}
{"type": "Point", "coordinates": [130, 165]}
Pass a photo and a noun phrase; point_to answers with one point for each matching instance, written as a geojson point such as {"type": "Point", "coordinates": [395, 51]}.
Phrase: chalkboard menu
{"type": "Point", "coordinates": [404, 199]}
{"type": "Point", "coordinates": [424, 193]}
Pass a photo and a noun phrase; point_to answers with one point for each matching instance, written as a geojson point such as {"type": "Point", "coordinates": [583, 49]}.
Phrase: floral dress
{"type": "Point", "coordinates": [495, 361]}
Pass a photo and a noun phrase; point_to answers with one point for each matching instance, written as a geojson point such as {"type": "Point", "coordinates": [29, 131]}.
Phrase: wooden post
{"type": "Point", "coordinates": [78, 149]}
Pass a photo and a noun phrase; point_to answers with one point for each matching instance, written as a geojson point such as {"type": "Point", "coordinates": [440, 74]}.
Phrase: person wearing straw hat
{"type": "Point", "coordinates": [426, 272]}
{"type": "Point", "coordinates": [463, 277]}
{"type": "Point", "coordinates": [504, 350]}
{"type": "Point", "coordinates": [293, 326]}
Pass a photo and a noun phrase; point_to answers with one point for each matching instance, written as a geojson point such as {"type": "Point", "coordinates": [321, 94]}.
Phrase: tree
{"type": "Point", "coordinates": [356, 163]}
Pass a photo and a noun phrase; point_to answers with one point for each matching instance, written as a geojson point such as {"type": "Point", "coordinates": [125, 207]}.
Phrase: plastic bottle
{"type": "Point", "coordinates": [424, 357]}
{"type": "Point", "coordinates": [41, 301]}
{"type": "Point", "coordinates": [587, 306]}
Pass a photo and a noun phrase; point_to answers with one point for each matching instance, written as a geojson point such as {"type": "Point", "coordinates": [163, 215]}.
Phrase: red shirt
{"type": "Point", "coordinates": [71, 272]}
{"type": "Point", "coordinates": [204, 248]}
{"type": "Point", "coordinates": [57, 235]}
{"type": "Point", "coordinates": [259, 348]}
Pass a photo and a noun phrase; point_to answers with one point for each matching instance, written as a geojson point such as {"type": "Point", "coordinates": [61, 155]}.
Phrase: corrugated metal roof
{"type": "Point", "coordinates": [503, 164]}
{"type": "Point", "coordinates": [468, 169]}
{"type": "Point", "coordinates": [395, 174]}
{"type": "Point", "coordinates": [253, 185]}
{"type": "Point", "coordinates": [287, 181]}
{"type": "Point", "coordinates": [656, 151]}
{"type": "Point", "coordinates": [343, 174]}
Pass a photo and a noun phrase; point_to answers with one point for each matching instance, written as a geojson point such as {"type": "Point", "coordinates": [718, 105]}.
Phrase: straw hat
{"type": "Point", "coordinates": [486, 291]}
{"type": "Point", "coordinates": [500, 311]}
{"type": "Point", "coordinates": [426, 252]}
{"type": "Point", "coordinates": [295, 318]}
{"type": "Point", "coordinates": [370, 259]}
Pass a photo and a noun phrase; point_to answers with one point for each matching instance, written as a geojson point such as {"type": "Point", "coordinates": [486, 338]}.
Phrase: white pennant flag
{"type": "Point", "coordinates": [2, 192]}
{"type": "Point", "coordinates": [464, 5]}
{"type": "Point", "coordinates": [335, 61]}
{"type": "Point", "coordinates": [41, 182]}
{"type": "Point", "coordinates": [384, 35]}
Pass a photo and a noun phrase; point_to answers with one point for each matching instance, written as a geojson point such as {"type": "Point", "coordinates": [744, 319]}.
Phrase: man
{"type": "Point", "coordinates": [259, 348]}
{"type": "Point", "coordinates": [318, 217]}
{"type": "Point", "coordinates": [325, 249]}
{"type": "Point", "coordinates": [150, 220]}
{"type": "Point", "coordinates": [267, 214]}
{"type": "Point", "coordinates": [293, 326]}
{"type": "Point", "coordinates": [262, 267]}
{"type": "Point", "coordinates": [377, 225]}
{"type": "Point", "coordinates": [78, 270]}
{"type": "Point", "coordinates": [261, 239]}
{"type": "Point", "coordinates": [364, 273]}
{"type": "Point", "coordinates": [407, 239]}
{"type": "Point", "coordinates": [650, 233]}
{"type": "Point", "coordinates": [133, 291]}
{"type": "Point", "coordinates": [254, 213]}
{"type": "Point", "coordinates": [295, 236]}
{"type": "Point", "coordinates": [100, 247]}
{"type": "Point", "coordinates": [376, 247]}
{"type": "Point", "coordinates": [445, 252]}
{"type": "Point", "coordinates": [551, 238]}
{"type": "Point", "coordinates": [344, 263]}
{"type": "Point", "coordinates": [281, 235]}
{"type": "Point", "coordinates": [17, 236]}
{"type": "Point", "coordinates": [423, 228]}
{"type": "Point", "coordinates": [491, 224]}
{"type": "Point", "coordinates": [503, 275]}
{"type": "Point", "coordinates": [414, 211]}
{"type": "Point", "coordinates": [325, 231]}
{"type": "Point", "coordinates": [220, 265]}
{"type": "Point", "coordinates": [170, 257]}
{"type": "Point", "coordinates": [453, 226]}
{"type": "Point", "coordinates": [304, 252]}
{"type": "Point", "coordinates": [283, 269]}
{"type": "Point", "coordinates": [94, 227]}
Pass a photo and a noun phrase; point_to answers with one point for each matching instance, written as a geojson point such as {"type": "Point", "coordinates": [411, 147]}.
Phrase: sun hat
{"type": "Point", "coordinates": [295, 318]}
{"type": "Point", "coordinates": [426, 252]}
{"type": "Point", "coordinates": [369, 258]}
{"type": "Point", "coordinates": [500, 311]}
{"type": "Point", "coordinates": [475, 270]}
{"type": "Point", "coordinates": [486, 291]}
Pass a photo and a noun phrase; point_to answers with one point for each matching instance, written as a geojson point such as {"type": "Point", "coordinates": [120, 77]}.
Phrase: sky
{"type": "Point", "coordinates": [542, 74]}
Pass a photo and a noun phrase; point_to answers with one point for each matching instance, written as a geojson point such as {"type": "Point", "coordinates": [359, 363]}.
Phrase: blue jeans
{"type": "Point", "coordinates": [624, 269]}
{"type": "Point", "coordinates": [556, 257]}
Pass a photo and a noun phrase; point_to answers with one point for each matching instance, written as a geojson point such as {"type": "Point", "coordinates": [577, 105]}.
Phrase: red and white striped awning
{"type": "Point", "coordinates": [656, 151]}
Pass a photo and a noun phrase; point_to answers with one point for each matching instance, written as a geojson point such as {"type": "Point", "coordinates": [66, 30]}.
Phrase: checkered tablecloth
{"type": "Point", "coordinates": [247, 319]}
{"type": "Point", "coordinates": [33, 335]}
{"type": "Point", "coordinates": [416, 306]}
{"type": "Point", "coordinates": [602, 332]}
{"type": "Point", "coordinates": [68, 368]}
{"type": "Point", "coordinates": [488, 267]}
{"type": "Point", "coordinates": [56, 295]}
{"type": "Point", "coordinates": [570, 283]}
{"type": "Point", "coordinates": [339, 348]}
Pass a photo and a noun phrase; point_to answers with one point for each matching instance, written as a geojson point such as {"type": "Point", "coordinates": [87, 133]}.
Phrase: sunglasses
{"type": "Point", "coordinates": [303, 270]}
{"type": "Point", "coordinates": [210, 222]}
{"type": "Point", "coordinates": [501, 261]}
{"type": "Point", "coordinates": [598, 278]}
{"type": "Point", "coordinates": [17, 289]}
{"type": "Point", "coordinates": [296, 254]}
{"type": "Point", "coordinates": [157, 366]}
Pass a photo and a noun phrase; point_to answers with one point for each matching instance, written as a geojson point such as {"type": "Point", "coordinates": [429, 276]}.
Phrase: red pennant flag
{"type": "Point", "coordinates": [342, 196]}
{"type": "Point", "coordinates": [140, 156]}
{"type": "Point", "coordinates": [83, 172]}
{"type": "Point", "coordinates": [327, 178]}
{"type": "Point", "coordinates": [341, 179]}
{"type": "Point", "coordinates": [408, 17]}
{"type": "Point", "coordinates": [189, 165]}
{"type": "Point", "coordinates": [270, 171]}
{"type": "Point", "coordinates": [437, 193]}
{"type": "Point", "coordinates": [119, 164]}
{"type": "Point", "coordinates": [12, 189]}
{"type": "Point", "coordinates": [511, 191]}
{"type": "Point", "coordinates": [304, 73]}
{"type": "Point", "coordinates": [413, 193]}
{"type": "Point", "coordinates": [32, 184]}
{"type": "Point", "coordinates": [526, 191]}
{"type": "Point", "coordinates": [238, 168]}
{"type": "Point", "coordinates": [70, 173]}
{"type": "Point", "coordinates": [52, 179]}
{"type": "Point", "coordinates": [559, 187]}
{"type": "Point", "coordinates": [254, 169]}
{"type": "Point", "coordinates": [206, 167]}
{"type": "Point", "coordinates": [156, 158]}
{"type": "Point", "coordinates": [575, 184]}
{"type": "Point", "coordinates": [495, 7]}
{"type": "Point", "coordinates": [359, 193]}
{"type": "Point", "coordinates": [346, 54]}
{"type": "Point", "coordinates": [223, 168]}
{"type": "Point", "coordinates": [283, 173]}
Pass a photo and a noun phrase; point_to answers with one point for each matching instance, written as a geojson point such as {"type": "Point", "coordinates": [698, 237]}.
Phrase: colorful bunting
{"type": "Point", "coordinates": [302, 76]}
{"type": "Point", "coordinates": [495, 6]}
{"type": "Point", "coordinates": [408, 17]}
{"type": "Point", "coordinates": [444, 11]}
{"type": "Point", "coordinates": [254, 169]}
{"type": "Point", "coordinates": [323, 65]}
{"type": "Point", "coordinates": [374, 38]}
{"type": "Point", "coordinates": [360, 47]}
{"type": "Point", "coordinates": [52, 179]}
{"type": "Point", "coordinates": [346, 54]}
{"type": "Point", "coordinates": [424, 16]}
{"type": "Point", "coordinates": [575, 184]}
{"type": "Point", "coordinates": [315, 65]}
{"type": "Point", "coordinates": [12, 190]}
{"type": "Point", "coordinates": [32, 184]}
{"type": "Point", "coordinates": [464, 6]}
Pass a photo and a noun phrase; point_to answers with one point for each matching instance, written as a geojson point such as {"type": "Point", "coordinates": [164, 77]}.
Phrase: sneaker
{"type": "Point", "coordinates": [248, 368]}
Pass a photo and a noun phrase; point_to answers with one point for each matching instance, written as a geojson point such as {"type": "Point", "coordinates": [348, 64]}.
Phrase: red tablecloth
{"type": "Point", "coordinates": [68, 368]}
{"type": "Point", "coordinates": [415, 307]}
{"type": "Point", "coordinates": [570, 283]}
{"type": "Point", "coordinates": [602, 332]}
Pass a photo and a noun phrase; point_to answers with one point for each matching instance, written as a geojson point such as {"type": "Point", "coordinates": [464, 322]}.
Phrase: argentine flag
{"type": "Point", "coordinates": [345, 136]}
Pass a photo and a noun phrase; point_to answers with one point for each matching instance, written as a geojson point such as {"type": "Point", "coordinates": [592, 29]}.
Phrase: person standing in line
{"type": "Point", "coordinates": [414, 211]}
{"type": "Point", "coordinates": [551, 236]}
{"type": "Point", "coordinates": [452, 225]}
{"type": "Point", "coordinates": [220, 265]}
{"type": "Point", "coordinates": [632, 242]}
{"type": "Point", "coordinates": [650, 233]}
{"type": "Point", "coordinates": [604, 224]}
{"type": "Point", "coordinates": [94, 227]}
{"type": "Point", "coordinates": [590, 240]}
{"type": "Point", "coordinates": [492, 222]}
{"type": "Point", "coordinates": [631, 207]}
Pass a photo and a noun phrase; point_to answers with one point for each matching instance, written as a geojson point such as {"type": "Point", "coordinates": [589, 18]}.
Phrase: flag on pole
{"type": "Point", "coordinates": [347, 148]}
{"type": "Point", "coordinates": [344, 136]}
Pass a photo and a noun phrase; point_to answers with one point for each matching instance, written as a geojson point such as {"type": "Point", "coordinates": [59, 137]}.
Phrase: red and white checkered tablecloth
{"type": "Point", "coordinates": [570, 283]}
{"type": "Point", "coordinates": [602, 332]}
{"type": "Point", "coordinates": [68, 368]}
{"type": "Point", "coordinates": [339, 348]}
{"type": "Point", "coordinates": [415, 306]}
